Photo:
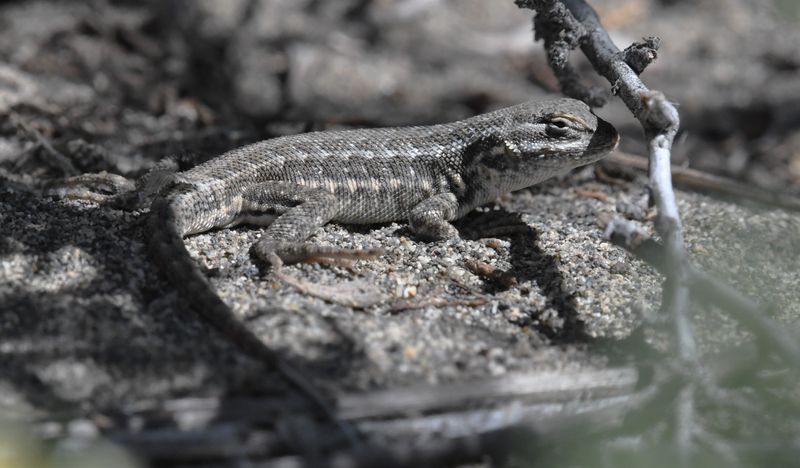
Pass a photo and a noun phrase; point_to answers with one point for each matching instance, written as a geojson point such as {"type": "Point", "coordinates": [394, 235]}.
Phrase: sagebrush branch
{"type": "Point", "coordinates": [579, 24]}
{"type": "Point", "coordinates": [565, 25]}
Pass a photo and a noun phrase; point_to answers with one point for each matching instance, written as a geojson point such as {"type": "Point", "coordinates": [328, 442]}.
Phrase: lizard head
{"type": "Point", "coordinates": [559, 134]}
{"type": "Point", "coordinates": [540, 139]}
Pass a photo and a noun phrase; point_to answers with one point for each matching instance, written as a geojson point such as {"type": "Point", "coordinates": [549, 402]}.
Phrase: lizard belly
{"type": "Point", "coordinates": [377, 201]}
{"type": "Point", "coordinates": [374, 193]}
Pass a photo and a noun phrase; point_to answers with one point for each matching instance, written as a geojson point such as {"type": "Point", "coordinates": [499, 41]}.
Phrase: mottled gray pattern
{"type": "Point", "coordinates": [378, 175]}
{"type": "Point", "coordinates": [426, 175]}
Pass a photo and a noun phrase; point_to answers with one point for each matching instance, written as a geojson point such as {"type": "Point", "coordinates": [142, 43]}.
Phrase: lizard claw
{"type": "Point", "coordinates": [356, 294]}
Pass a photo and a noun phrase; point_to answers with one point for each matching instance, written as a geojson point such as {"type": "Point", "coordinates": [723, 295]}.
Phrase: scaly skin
{"type": "Point", "coordinates": [428, 176]}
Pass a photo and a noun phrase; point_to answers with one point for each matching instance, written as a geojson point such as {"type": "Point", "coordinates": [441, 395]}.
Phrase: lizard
{"type": "Point", "coordinates": [428, 176]}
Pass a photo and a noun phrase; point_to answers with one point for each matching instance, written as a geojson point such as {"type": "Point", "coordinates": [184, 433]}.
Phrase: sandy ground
{"type": "Point", "coordinates": [90, 331]}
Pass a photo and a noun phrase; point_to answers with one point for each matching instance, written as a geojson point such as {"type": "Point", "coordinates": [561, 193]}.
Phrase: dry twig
{"type": "Point", "coordinates": [699, 180]}
{"type": "Point", "coordinates": [568, 24]}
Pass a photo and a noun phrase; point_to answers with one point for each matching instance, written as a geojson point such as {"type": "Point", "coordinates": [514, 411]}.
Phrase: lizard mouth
{"type": "Point", "coordinates": [604, 140]}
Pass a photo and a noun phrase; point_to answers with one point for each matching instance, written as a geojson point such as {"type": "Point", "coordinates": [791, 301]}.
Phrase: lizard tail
{"type": "Point", "coordinates": [168, 251]}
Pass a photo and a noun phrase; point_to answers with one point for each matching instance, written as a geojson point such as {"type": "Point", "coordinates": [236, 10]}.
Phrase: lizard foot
{"type": "Point", "coordinates": [343, 258]}
{"type": "Point", "coordinates": [356, 294]}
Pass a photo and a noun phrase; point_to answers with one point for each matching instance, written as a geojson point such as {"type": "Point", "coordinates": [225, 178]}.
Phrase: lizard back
{"type": "Point", "coordinates": [381, 174]}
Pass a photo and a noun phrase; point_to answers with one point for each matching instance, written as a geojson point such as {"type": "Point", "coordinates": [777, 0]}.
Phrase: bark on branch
{"type": "Point", "coordinates": [565, 25]}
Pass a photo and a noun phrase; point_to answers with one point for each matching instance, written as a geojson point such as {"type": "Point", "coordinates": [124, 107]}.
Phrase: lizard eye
{"type": "Point", "coordinates": [557, 126]}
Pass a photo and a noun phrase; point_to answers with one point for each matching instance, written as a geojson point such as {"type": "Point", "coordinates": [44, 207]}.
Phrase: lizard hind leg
{"type": "Point", "coordinates": [99, 187]}
{"type": "Point", "coordinates": [114, 189]}
{"type": "Point", "coordinates": [305, 209]}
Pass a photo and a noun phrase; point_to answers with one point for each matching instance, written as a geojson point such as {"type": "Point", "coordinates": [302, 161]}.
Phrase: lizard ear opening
{"type": "Point", "coordinates": [477, 150]}
{"type": "Point", "coordinates": [491, 151]}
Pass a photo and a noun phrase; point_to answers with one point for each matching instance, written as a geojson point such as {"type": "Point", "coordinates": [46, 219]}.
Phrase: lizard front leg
{"type": "Point", "coordinates": [303, 210]}
{"type": "Point", "coordinates": [430, 219]}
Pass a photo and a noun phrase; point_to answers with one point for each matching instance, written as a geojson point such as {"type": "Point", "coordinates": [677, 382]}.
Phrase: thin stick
{"type": "Point", "coordinates": [699, 180]}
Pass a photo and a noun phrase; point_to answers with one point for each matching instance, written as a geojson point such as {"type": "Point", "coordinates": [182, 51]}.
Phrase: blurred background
{"type": "Point", "coordinates": [150, 78]}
